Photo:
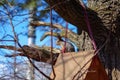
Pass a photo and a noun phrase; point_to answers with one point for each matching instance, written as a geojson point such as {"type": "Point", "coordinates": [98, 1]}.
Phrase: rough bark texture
{"type": "Point", "coordinates": [104, 18]}
{"type": "Point", "coordinates": [40, 54]}
{"type": "Point", "coordinates": [84, 42]}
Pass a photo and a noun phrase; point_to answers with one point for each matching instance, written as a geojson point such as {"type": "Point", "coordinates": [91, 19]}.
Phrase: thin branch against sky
{"type": "Point", "coordinates": [15, 25]}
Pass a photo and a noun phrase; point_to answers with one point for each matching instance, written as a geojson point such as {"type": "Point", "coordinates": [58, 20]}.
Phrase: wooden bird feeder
{"type": "Point", "coordinates": [88, 67]}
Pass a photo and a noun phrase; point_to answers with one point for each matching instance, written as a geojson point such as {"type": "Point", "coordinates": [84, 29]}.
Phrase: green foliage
{"type": "Point", "coordinates": [2, 1]}
{"type": "Point", "coordinates": [7, 2]}
{"type": "Point", "coordinates": [30, 4]}
{"type": "Point", "coordinates": [39, 7]}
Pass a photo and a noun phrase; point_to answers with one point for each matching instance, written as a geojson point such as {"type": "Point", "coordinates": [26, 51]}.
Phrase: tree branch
{"type": "Point", "coordinates": [41, 23]}
{"type": "Point", "coordinates": [36, 53]}
{"type": "Point", "coordinates": [73, 37]}
{"type": "Point", "coordinates": [10, 47]}
{"type": "Point", "coordinates": [100, 13]}
{"type": "Point", "coordinates": [71, 11]}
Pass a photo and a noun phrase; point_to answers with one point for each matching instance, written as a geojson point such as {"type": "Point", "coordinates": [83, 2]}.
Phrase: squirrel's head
{"type": "Point", "coordinates": [58, 42]}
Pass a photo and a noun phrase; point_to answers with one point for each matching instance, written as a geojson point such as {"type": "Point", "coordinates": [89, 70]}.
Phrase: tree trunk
{"type": "Point", "coordinates": [31, 41]}
{"type": "Point", "coordinates": [104, 18]}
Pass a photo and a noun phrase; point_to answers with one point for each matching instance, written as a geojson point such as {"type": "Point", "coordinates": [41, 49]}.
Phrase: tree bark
{"type": "Point", "coordinates": [104, 18]}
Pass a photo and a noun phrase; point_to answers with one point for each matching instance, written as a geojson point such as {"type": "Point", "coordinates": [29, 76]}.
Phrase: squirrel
{"type": "Point", "coordinates": [65, 46]}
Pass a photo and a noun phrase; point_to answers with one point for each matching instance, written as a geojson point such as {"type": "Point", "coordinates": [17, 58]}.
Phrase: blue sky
{"type": "Point", "coordinates": [21, 27]}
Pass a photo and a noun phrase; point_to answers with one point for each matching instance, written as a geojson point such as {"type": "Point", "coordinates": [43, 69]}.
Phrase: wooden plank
{"type": "Point", "coordinates": [68, 64]}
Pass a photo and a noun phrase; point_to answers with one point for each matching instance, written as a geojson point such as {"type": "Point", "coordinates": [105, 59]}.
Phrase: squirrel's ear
{"type": "Point", "coordinates": [58, 36]}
